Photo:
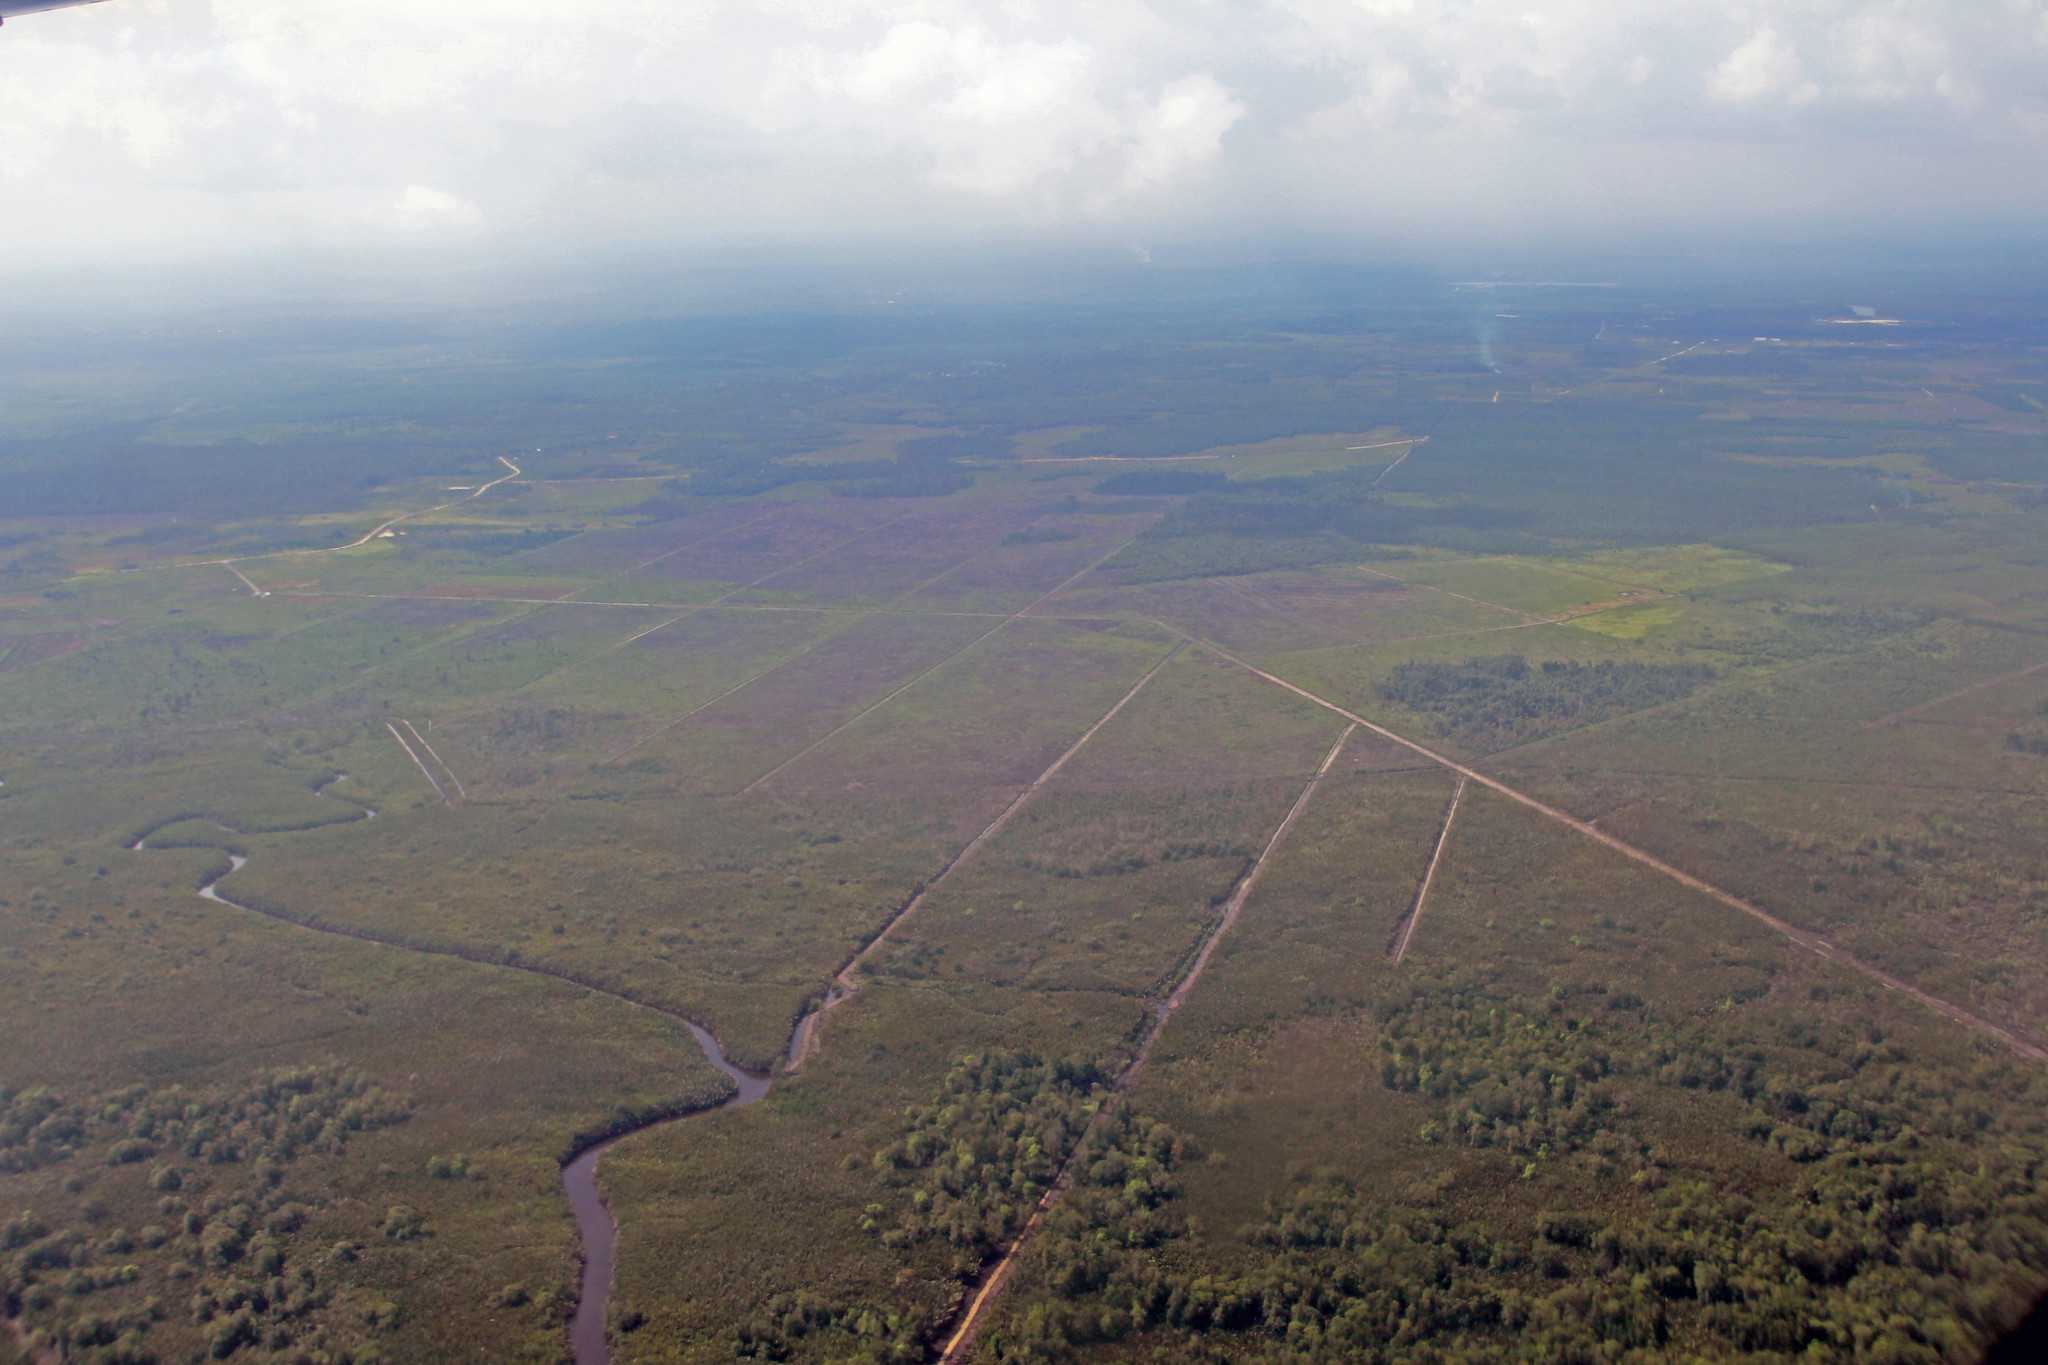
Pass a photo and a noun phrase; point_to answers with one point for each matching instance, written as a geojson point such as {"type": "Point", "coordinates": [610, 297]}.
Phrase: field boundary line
{"type": "Point", "coordinates": [1275, 609]}
{"type": "Point", "coordinates": [697, 543]}
{"type": "Point", "coordinates": [722, 599]}
{"type": "Point", "coordinates": [687, 610]}
{"type": "Point", "coordinates": [418, 763]}
{"type": "Point", "coordinates": [1811, 942]}
{"type": "Point", "coordinates": [997, 1277]}
{"type": "Point", "coordinates": [1899, 717]}
{"type": "Point", "coordinates": [1671, 775]}
{"type": "Point", "coordinates": [1717, 686]}
{"type": "Point", "coordinates": [1101, 459]}
{"type": "Point", "coordinates": [1443, 839]}
{"type": "Point", "coordinates": [1528, 617]}
{"type": "Point", "coordinates": [860, 618]}
{"type": "Point", "coordinates": [806, 1042]}
{"type": "Point", "coordinates": [736, 688]}
{"type": "Point", "coordinates": [684, 607]}
{"type": "Point", "coordinates": [865, 712]}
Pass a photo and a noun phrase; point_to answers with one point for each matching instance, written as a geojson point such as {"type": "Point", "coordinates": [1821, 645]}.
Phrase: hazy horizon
{"type": "Point", "coordinates": [240, 138]}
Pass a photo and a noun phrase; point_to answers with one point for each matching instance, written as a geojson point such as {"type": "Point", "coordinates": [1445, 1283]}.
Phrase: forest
{"type": "Point", "coordinates": [1495, 702]}
{"type": "Point", "coordinates": [1905, 1231]}
{"type": "Point", "coordinates": [229, 1242]}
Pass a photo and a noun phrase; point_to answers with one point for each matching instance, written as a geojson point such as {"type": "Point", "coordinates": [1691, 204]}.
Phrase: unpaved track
{"type": "Point", "coordinates": [1106, 459]}
{"type": "Point", "coordinates": [864, 614]}
{"type": "Point", "coordinates": [363, 540]}
{"type": "Point", "coordinates": [420, 763]}
{"type": "Point", "coordinates": [1443, 839]}
{"type": "Point", "coordinates": [806, 1041]}
{"type": "Point", "coordinates": [1900, 717]}
{"type": "Point", "coordinates": [711, 539]}
{"type": "Point", "coordinates": [460, 790]}
{"type": "Point", "coordinates": [1665, 359]}
{"type": "Point", "coordinates": [1800, 780]}
{"type": "Point", "coordinates": [1413, 446]}
{"type": "Point", "coordinates": [997, 1277]}
{"type": "Point", "coordinates": [623, 754]}
{"type": "Point", "coordinates": [595, 1226]}
{"type": "Point", "coordinates": [1529, 617]}
{"type": "Point", "coordinates": [775, 573]}
{"type": "Point", "coordinates": [862, 714]}
{"type": "Point", "coordinates": [1411, 441]}
{"type": "Point", "coordinates": [1811, 942]}
{"type": "Point", "coordinates": [1272, 608]}
{"type": "Point", "coordinates": [644, 606]}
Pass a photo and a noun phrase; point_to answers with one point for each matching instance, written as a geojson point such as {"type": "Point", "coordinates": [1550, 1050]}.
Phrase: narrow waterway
{"type": "Point", "coordinates": [595, 1226]}
{"type": "Point", "coordinates": [599, 1230]}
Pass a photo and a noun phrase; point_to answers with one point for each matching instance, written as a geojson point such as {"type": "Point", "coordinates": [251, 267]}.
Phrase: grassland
{"type": "Point", "coordinates": [669, 729]}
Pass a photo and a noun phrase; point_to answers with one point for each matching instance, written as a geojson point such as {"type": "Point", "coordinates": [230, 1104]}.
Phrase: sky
{"type": "Point", "coordinates": [152, 133]}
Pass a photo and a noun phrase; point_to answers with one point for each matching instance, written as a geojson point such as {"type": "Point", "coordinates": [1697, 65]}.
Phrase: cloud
{"type": "Point", "coordinates": [157, 129]}
{"type": "Point", "coordinates": [423, 210]}
{"type": "Point", "coordinates": [1181, 131]}
{"type": "Point", "coordinates": [1764, 68]}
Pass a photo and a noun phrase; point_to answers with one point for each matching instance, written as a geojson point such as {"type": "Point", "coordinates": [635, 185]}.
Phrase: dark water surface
{"type": "Point", "coordinates": [599, 1231]}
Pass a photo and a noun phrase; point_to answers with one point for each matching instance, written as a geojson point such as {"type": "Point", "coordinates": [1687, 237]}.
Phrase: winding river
{"type": "Point", "coordinates": [595, 1226]}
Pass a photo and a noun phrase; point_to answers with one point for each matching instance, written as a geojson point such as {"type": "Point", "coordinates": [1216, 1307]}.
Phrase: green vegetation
{"type": "Point", "coordinates": [230, 1234]}
{"type": "Point", "coordinates": [1161, 483]}
{"type": "Point", "coordinates": [1495, 702]}
{"type": "Point", "coordinates": [1901, 1197]}
{"type": "Point", "coordinates": [774, 624]}
{"type": "Point", "coordinates": [984, 1152]}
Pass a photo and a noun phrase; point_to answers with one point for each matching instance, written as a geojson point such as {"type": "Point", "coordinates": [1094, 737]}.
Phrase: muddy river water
{"type": "Point", "coordinates": [599, 1231]}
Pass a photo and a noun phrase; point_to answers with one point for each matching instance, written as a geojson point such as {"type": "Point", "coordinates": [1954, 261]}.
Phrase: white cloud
{"type": "Point", "coordinates": [1183, 130]}
{"type": "Point", "coordinates": [1765, 68]}
{"type": "Point", "coordinates": [423, 210]}
{"type": "Point", "coordinates": [155, 128]}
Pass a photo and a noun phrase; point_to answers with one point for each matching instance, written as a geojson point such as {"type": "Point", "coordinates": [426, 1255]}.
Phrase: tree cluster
{"type": "Point", "coordinates": [978, 1158]}
{"type": "Point", "coordinates": [1910, 1222]}
{"type": "Point", "coordinates": [1494, 702]}
{"type": "Point", "coordinates": [228, 1233]}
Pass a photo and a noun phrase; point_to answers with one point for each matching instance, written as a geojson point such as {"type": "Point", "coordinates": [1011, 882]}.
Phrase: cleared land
{"type": "Point", "coordinates": [1289, 892]}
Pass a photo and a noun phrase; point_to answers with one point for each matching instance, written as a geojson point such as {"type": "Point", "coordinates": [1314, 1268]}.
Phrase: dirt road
{"type": "Point", "coordinates": [862, 714]}
{"type": "Point", "coordinates": [996, 1278]}
{"type": "Point", "coordinates": [419, 763]}
{"type": "Point", "coordinates": [770, 576]}
{"type": "Point", "coordinates": [1900, 717]}
{"type": "Point", "coordinates": [362, 540]}
{"type": "Point", "coordinates": [1811, 942]}
{"type": "Point", "coordinates": [1413, 446]}
{"type": "Point", "coordinates": [460, 790]}
{"type": "Point", "coordinates": [806, 1041]}
{"type": "Point", "coordinates": [1443, 839]}
{"type": "Point", "coordinates": [860, 618]}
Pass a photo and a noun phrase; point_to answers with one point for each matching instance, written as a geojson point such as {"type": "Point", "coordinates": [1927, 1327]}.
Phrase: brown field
{"type": "Point", "coordinates": [734, 741]}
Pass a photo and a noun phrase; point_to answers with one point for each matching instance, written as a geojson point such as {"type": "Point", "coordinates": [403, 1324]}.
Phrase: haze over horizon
{"type": "Point", "coordinates": [150, 133]}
